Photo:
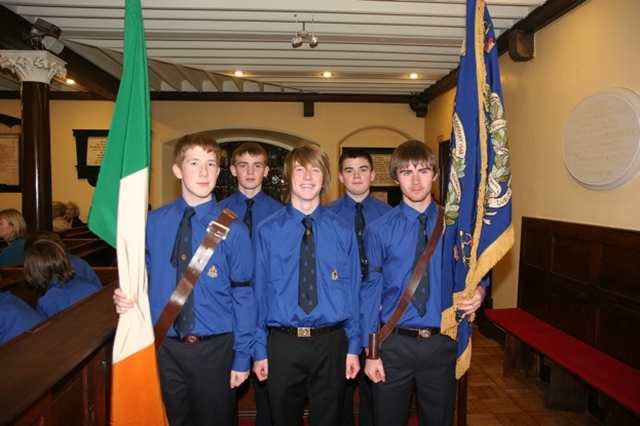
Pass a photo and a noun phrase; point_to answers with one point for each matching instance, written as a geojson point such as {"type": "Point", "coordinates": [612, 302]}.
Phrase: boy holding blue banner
{"type": "Point", "coordinates": [416, 351]}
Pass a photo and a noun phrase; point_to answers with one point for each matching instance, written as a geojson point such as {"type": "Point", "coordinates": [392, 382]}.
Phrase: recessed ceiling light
{"type": "Point", "coordinates": [413, 75]}
{"type": "Point", "coordinates": [71, 81]}
{"type": "Point", "coordinates": [327, 74]}
{"type": "Point", "coordinates": [238, 73]}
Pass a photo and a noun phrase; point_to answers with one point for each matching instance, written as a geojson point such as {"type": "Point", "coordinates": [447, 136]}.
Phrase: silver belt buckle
{"type": "Point", "coordinates": [304, 331]}
{"type": "Point", "coordinates": [424, 333]}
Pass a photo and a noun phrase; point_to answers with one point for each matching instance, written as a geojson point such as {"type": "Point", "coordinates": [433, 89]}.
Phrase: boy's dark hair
{"type": "Point", "coordinates": [306, 155]}
{"type": "Point", "coordinates": [251, 148]}
{"type": "Point", "coordinates": [412, 152]}
{"type": "Point", "coordinates": [44, 260]}
{"type": "Point", "coordinates": [207, 143]}
{"type": "Point", "coordinates": [355, 153]}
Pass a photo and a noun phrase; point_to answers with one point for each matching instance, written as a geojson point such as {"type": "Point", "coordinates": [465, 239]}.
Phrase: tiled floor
{"type": "Point", "coordinates": [495, 400]}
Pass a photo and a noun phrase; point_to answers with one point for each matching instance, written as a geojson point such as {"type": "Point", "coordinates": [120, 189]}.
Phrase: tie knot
{"type": "Point", "coordinates": [249, 202]}
{"type": "Point", "coordinates": [307, 222]}
{"type": "Point", "coordinates": [359, 206]}
{"type": "Point", "coordinates": [423, 219]}
{"type": "Point", "coordinates": [188, 213]}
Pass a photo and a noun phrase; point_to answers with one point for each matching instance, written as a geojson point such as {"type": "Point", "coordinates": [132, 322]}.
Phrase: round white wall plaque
{"type": "Point", "coordinates": [601, 139]}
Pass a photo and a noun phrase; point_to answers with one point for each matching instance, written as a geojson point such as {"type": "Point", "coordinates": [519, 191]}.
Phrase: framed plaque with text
{"type": "Point", "coordinates": [90, 146]}
{"type": "Point", "coordinates": [10, 163]}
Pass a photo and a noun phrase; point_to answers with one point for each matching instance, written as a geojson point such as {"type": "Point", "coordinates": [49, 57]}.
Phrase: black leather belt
{"type": "Point", "coordinates": [418, 333]}
{"type": "Point", "coordinates": [191, 339]}
{"type": "Point", "coordinates": [307, 331]}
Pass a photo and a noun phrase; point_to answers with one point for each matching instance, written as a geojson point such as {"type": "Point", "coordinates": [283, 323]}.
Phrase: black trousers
{"type": "Point", "coordinates": [363, 384]}
{"type": "Point", "coordinates": [429, 364]}
{"type": "Point", "coordinates": [311, 367]}
{"type": "Point", "coordinates": [195, 381]}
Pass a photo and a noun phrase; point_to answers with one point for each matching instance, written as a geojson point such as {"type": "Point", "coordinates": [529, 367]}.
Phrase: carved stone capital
{"type": "Point", "coordinates": [33, 65]}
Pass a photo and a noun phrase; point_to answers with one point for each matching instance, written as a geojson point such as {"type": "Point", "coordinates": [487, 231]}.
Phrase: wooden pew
{"type": "Point", "coordinates": [95, 252]}
{"type": "Point", "coordinates": [578, 317]}
{"type": "Point", "coordinates": [60, 372]}
{"type": "Point", "coordinates": [79, 232]}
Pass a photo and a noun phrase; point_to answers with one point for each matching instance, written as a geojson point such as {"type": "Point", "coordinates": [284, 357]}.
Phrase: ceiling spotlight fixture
{"type": "Point", "coordinates": [71, 81]}
{"type": "Point", "coordinates": [303, 36]}
{"type": "Point", "coordinates": [327, 74]}
{"type": "Point", "coordinates": [413, 75]}
{"type": "Point", "coordinates": [238, 73]}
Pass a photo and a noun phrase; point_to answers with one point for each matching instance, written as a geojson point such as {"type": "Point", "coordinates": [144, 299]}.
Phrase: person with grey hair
{"type": "Point", "coordinates": [72, 214]}
{"type": "Point", "coordinates": [58, 210]}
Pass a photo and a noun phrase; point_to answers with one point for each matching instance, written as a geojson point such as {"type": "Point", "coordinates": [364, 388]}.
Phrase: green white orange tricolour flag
{"type": "Point", "coordinates": [118, 215]}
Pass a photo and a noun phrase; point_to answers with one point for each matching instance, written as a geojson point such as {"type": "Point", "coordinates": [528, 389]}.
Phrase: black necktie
{"type": "Point", "coordinates": [421, 295]}
{"type": "Point", "coordinates": [307, 292]}
{"type": "Point", "coordinates": [181, 257]}
{"type": "Point", "coordinates": [360, 223]}
{"type": "Point", "coordinates": [248, 215]}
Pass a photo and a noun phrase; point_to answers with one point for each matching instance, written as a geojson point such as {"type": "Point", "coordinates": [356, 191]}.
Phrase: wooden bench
{"type": "Point", "coordinates": [60, 371]}
{"type": "Point", "coordinates": [79, 232]}
{"type": "Point", "coordinates": [577, 322]}
{"type": "Point", "coordinates": [575, 367]}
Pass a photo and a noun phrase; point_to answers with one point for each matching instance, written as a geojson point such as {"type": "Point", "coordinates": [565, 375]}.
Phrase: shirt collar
{"type": "Point", "coordinates": [412, 214]}
{"type": "Point", "coordinates": [201, 209]}
{"type": "Point", "coordinates": [297, 215]}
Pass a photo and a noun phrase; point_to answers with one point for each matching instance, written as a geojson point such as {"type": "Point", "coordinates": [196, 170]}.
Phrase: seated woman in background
{"type": "Point", "coordinates": [16, 316]}
{"type": "Point", "coordinates": [47, 267]}
{"type": "Point", "coordinates": [72, 215]}
{"type": "Point", "coordinates": [13, 229]}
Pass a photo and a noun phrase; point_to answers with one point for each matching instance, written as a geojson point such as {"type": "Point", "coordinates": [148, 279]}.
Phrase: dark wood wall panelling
{"type": "Point", "coordinates": [583, 279]}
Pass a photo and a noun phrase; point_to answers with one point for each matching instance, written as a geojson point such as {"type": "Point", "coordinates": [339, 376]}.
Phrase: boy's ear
{"type": "Point", "coordinates": [177, 171]}
{"type": "Point", "coordinates": [373, 175]}
{"type": "Point", "coordinates": [341, 178]}
{"type": "Point", "coordinates": [266, 172]}
{"type": "Point", "coordinates": [233, 171]}
{"type": "Point", "coordinates": [435, 176]}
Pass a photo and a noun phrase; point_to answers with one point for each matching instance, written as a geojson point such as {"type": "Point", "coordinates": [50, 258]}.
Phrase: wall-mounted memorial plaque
{"type": "Point", "coordinates": [601, 140]}
{"type": "Point", "coordinates": [90, 146]}
{"type": "Point", "coordinates": [10, 163]}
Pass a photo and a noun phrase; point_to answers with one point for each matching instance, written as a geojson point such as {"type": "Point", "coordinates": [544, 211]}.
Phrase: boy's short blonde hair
{"type": "Point", "coordinates": [207, 143]}
{"type": "Point", "coordinates": [306, 155]}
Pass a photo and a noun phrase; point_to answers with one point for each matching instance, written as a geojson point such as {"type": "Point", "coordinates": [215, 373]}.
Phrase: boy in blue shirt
{"type": "Point", "coordinates": [358, 208]}
{"type": "Point", "coordinates": [200, 371]}
{"type": "Point", "coordinates": [249, 166]}
{"type": "Point", "coordinates": [415, 352]}
{"type": "Point", "coordinates": [307, 282]}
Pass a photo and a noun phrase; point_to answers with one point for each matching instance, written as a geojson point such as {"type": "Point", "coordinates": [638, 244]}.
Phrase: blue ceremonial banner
{"type": "Point", "coordinates": [479, 230]}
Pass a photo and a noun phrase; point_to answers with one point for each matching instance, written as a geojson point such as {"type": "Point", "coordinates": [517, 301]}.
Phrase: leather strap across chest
{"type": "Point", "coordinates": [216, 232]}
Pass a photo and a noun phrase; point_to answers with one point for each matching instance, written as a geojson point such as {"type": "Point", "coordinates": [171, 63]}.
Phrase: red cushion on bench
{"type": "Point", "coordinates": [614, 378]}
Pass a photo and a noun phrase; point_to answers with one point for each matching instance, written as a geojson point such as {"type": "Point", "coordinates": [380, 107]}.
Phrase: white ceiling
{"type": "Point", "coordinates": [369, 46]}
